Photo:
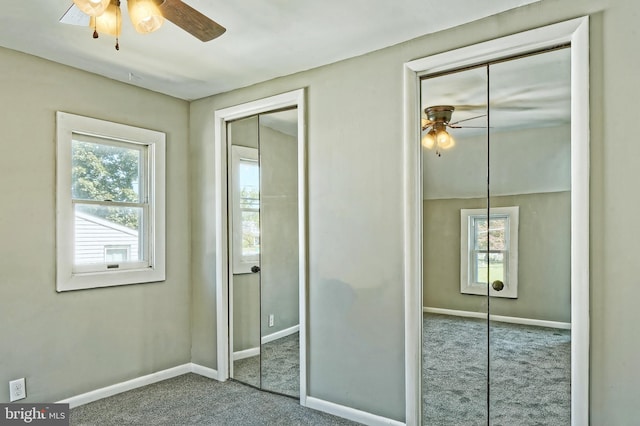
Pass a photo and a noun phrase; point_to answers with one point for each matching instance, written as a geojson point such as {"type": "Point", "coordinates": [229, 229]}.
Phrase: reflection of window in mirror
{"type": "Point", "coordinates": [245, 208]}
{"type": "Point", "coordinates": [489, 251]}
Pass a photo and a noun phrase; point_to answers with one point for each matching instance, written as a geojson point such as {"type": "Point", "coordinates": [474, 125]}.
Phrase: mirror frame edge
{"type": "Point", "coordinates": [295, 98]}
{"type": "Point", "coordinates": [576, 32]}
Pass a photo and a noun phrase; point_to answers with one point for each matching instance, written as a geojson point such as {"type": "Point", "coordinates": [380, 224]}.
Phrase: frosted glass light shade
{"type": "Point", "coordinates": [109, 22]}
{"type": "Point", "coordinates": [444, 140]}
{"type": "Point", "coordinates": [429, 139]}
{"type": "Point", "coordinates": [92, 7]}
{"type": "Point", "coordinates": [145, 15]}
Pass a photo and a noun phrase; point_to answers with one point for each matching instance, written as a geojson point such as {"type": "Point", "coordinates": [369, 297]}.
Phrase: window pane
{"type": "Point", "coordinates": [496, 267]}
{"type": "Point", "coordinates": [250, 233]}
{"type": "Point", "coordinates": [497, 233]}
{"type": "Point", "coordinates": [98, 228]}
{"type": "Point", "coordinates": [249, 184]}
{"type": "Point", "coordinates": [493, 263]}
{"type": "Point", "coordinates": [116, 254]}
{"type": "Point", "coordinates": [102, 172]}
{"type": "Point", "coordinates": [480, 233]}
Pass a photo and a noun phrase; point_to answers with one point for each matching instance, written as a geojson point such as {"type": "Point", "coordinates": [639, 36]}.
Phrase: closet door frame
{"type": "Point", "coordinates": [295, 98]}
{"type": "Point", "coordinates": [575, 32]}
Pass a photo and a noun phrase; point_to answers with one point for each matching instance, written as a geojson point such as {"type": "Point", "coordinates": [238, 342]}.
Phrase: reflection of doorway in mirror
{"type": "Point", "coordinates": [488, 358]}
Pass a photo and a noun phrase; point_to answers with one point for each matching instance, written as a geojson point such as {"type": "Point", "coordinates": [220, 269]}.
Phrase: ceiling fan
{"type": "Point", "coordinates": [104, 16]}
{"type": "Point", "coordinates": [438, 119]}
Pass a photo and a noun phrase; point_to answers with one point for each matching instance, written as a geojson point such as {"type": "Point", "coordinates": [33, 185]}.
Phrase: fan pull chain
{"type": "Point", "coordinates": [118, 22]}
{"type": "Point", "coordinates": [95, 29]}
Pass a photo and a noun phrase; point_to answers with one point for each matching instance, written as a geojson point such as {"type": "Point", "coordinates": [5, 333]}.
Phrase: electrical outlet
{"type": "Point", "coordinates": [271, 320]}
{"type": "Point", "coordinates": [17, 390]}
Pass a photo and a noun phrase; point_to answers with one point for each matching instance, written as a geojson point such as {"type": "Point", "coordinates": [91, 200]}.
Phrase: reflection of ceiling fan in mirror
{"type": "Point", "coordinates": [104, 16]}
{"type": "Point", "coordinates": [434, 126]}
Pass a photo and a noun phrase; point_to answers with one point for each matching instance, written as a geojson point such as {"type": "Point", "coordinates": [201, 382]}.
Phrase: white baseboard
{"type": "Point", "coordinates": [247, 353]}
{"type": "Point", "coordinates": [204, 371]}
{"type": "Point", "coordinates": [314, 403]}
{"type": "Point", "coordinates": [349, 413]}
{"type": "Point", "coordinates": [139, 382]}
{"type": "Point", "coordinates": [499, 318]}
{"type": "Point", "coordinates": [280, 334]}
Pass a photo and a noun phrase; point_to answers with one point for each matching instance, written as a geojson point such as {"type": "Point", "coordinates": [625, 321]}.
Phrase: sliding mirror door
{"type": "Point", "coordinates": [454, 174]}
{"type": "Point", "coordinates": [279, 275]}
{"type": "Point", "coordinates": [529, 255]}
{"type": "Point", "coordinates": [264, 247]}
{"type": "Point", "coordinates": [244, 259]}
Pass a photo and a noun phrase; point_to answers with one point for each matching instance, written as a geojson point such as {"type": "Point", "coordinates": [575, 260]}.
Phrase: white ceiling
{"type": "Point", "coordinates": [264, 39]}
{"type": "Point", "coordinates": [532, 91]}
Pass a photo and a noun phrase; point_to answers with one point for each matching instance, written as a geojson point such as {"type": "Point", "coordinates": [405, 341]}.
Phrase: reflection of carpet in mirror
{"type": "Point", "coordinates": [247, 370]}
{"type": "Point", "coordinates": [530, 373]}
{"type": "Point", "coordinates": [280, 366]}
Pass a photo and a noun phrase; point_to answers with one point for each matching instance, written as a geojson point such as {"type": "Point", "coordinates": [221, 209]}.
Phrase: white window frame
{"type": "Point", "coordinates": [468, 284]}
{"type": "Point", "coordinates": [241, 264]}
{"type": "Point", "coordinates": [69, 276]}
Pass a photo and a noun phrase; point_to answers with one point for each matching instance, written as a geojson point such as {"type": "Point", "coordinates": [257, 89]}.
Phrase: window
{"type": "Point", "coordinates": [110, 204]}
{"type": "Point", "coordinates": [245, 187]}
{"type": "Point", "coordinates": [489, 251]}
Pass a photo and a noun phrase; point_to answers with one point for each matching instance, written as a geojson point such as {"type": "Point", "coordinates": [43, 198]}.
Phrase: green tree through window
{"type": "Point", "coordinates": [102, 172]}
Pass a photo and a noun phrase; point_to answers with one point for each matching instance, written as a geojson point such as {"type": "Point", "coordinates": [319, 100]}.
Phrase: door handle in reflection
{"type": "Point", "coordinates": [255, 269]}
{"type": "Point", "coordinates": [497, 285]}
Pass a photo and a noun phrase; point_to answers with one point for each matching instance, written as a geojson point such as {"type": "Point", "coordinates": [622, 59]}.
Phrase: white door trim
{"type": "Point", "coordinates": [576, 32]}
{"type": "Point", "coordinates": [295, 98]}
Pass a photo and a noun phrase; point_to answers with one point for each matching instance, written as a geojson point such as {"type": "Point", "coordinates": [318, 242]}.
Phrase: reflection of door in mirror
{"type": "Point", "coordinates": [264, 285]}
{"type": "Point", "coordinates": [497, 244]}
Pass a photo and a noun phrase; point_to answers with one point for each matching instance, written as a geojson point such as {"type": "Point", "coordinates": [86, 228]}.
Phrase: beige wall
{"type": "Point", "coordinates": [69, 343]}
{"type": "Point", "coordinates": [355, 210]}
{"type": "Point", "coordinates": [544, 257]}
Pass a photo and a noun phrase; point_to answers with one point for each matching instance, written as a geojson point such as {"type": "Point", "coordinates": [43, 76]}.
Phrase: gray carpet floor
{"type": "Point", "coordinates": [530, 373]}
{"type": "Point", "coordinates": [279, 367]}
{"type": "Point", "coordinates": [195, 400]}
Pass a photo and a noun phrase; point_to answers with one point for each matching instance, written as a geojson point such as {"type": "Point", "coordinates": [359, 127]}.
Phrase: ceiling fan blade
{"type": "Point", "coordinates": [470, 127]}
{"type": "Point", "coordinates": [190, 20]}
{"type": "Point", "coordinates": [425, 122]}
{"type": "Point", "coordinates": [467, 119]}
{"type": "Point", "coordinates": [75, 16]}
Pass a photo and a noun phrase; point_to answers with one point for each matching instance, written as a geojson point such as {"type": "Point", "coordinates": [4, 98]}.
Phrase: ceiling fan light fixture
{"type": "Point", "coordinates": [145, 15]}
{"type": "Point", "coordinates": [92, 7]}
{"type": "Point", "coordinates": [444, 140]}
{"type": "Point", "coordinates": [109, 22]}
{"type": "Point", "coordinates": [429, 139]}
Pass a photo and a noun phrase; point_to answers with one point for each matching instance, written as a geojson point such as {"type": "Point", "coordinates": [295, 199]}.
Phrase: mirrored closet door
{"type": "Point", "coordinates": [497, 242]}
{"type": "Point", "coordinates": [264, 253]}
{"type": "Point", "coordinates": [455, 342]}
